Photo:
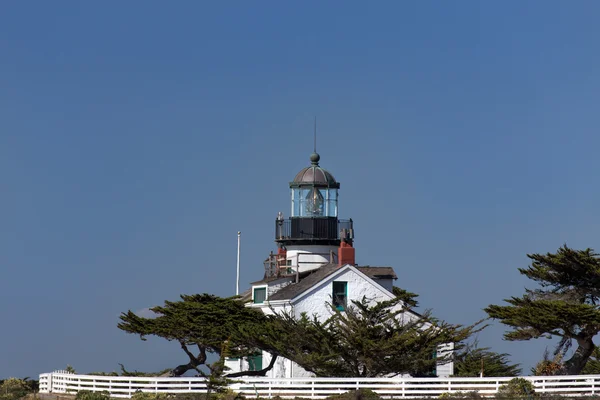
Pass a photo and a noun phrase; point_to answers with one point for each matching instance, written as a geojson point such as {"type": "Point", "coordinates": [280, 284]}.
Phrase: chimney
{"type": "Point", "coordinates": [346, 254]}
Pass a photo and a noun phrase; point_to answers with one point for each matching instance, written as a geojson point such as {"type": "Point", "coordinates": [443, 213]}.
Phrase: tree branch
{"type": "Point", "coordinates": [262, 372]}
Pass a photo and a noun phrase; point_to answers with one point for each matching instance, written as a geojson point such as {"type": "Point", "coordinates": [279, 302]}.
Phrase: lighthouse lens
{"type": "Point", "coordinates": [314, 203]}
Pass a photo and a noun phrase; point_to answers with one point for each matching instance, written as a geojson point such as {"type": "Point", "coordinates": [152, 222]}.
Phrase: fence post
{"type": "Point", "coordinates": [312, 389]}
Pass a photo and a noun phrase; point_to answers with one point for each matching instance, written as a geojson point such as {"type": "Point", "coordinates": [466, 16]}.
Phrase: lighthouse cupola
{"type": "Point", "coordinates": [314, 192]}
{"type": "Point", "coordinates": [313, 234]}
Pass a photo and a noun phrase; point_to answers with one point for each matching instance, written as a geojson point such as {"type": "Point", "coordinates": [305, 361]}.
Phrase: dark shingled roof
{"type": "Point", "coordinates": [378, 272]}
{"type": "Point", "coordinates": [293, 290]}
{"type": "Point", "coordinates": [269, 279]}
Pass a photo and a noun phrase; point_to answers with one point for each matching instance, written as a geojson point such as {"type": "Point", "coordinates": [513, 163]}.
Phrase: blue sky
{"type": "Point", "coordinates": [137, 138]}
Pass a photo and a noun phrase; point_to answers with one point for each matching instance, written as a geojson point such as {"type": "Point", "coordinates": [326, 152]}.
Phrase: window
{"type": "Point", "coordinates": [255, 362]}
{"type": "Point", "coordinates": [259, 295]}
{"type": "Point", "coordinates": [340, 295]}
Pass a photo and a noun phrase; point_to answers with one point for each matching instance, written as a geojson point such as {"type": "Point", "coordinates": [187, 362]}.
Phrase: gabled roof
{"type": "Point", "coordinates": [378, 272]}
{"type": "Point", "coordinates": [293, 290]}
{"type": "Point", "coordinates": [307, 282]}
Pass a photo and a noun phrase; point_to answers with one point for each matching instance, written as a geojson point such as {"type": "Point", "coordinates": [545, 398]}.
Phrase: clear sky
{"type": "Point", "coordinates": [137, 138]}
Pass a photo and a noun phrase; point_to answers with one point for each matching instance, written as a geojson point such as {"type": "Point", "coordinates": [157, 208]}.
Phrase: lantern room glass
{"type": "Point", "coordinates": [314, 202]}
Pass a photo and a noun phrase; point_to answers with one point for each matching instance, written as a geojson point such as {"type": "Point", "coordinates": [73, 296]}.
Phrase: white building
{"type": "Point", "coordinates": [315, 266]}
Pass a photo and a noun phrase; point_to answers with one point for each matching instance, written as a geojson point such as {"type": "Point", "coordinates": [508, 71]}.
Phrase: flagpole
{"type": "Point", "coordinates": [237, 277]}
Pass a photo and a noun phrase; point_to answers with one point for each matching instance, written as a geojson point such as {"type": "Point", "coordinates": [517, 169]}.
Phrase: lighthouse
{"type": "Point", "coordinates": [312, 235]}
{"type": "Point", "coordinates": [314, 269]}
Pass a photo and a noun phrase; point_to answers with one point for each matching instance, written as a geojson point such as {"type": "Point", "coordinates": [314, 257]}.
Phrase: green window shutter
{"type": "Point", "coordinates": [260, 295]}
{"type": "Point", "coordinates": [340, 295]}
{"type": "Point", "coordinates": [255, 362]}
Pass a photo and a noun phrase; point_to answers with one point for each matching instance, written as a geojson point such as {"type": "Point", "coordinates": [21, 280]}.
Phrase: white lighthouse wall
{"type": "Point", "coordinates": [317, 299]}
{"type": "Point", "coordinates": [310, 257]}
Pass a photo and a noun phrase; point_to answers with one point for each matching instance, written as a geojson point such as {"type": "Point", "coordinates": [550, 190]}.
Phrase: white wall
{"type": "Point", "coordinates": [310, 257]}
{"type": "Point", "coordinates": [315, 301]}
{"type": "Point", "coordinates": [445, 370]}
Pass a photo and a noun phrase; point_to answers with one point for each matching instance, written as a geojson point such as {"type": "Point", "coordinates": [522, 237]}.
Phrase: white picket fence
{"type": "Point", "coordinates": [314, 388]}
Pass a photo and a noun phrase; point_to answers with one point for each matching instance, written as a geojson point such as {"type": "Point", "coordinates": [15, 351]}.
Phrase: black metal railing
{"type": "Point", "coordinates": [316, 228]}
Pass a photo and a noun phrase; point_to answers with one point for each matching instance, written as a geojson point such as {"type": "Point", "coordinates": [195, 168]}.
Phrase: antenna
{"type": "Point", "coordinates": [237, 275]}
{"type": "Point", "coordinates": [315, 134]}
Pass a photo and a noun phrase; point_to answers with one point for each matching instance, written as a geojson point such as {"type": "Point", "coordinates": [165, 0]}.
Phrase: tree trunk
{"type": "Point", "coordinates": [575, 364]}
{"type": "Point", "coordinates": [195, 361]}
{"type": "Point", "coordinates": [262, 372]}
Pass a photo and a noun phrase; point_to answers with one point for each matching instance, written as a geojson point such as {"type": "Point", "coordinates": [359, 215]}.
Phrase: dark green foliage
{"type": "Point", "coordinates": [565, 305]}
{"type": "Point", "coordinates": [473, 395]}
{"type": "Point", "coordinates": [224, 395]}
{"type": "Point", "coordinates": [516, 388]}
{"type": "Point", "coordinates": [366, 340]}
{"type": "Point", "coordinates": [204, 321]}
{"type": "Point", "coordinates": [14, 388]}
{"type": "Point", "coordinates": [360, 394]}
{"type": "Point", "coordinates": [89, 395]}
{"type": "Point", "coordinates": [149, 396]}
{"type": "Point", "coordinates": [470, 361]}
{"type": "Point", "coordinates": [407, 297]}
{"type": "Point", "coordinates": [592, 367]}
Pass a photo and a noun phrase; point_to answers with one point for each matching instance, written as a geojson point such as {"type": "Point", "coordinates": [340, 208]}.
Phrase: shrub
{"type": "Point", "coordinates": [89, 395]}
{"type": "Point", "coordinates": [188, 396]}
{"type": "Point", "coordinates": [13, 388]}
{"type": "Point", "coordinates": [148, 396]}
{"type": "Point", "coordinates": [460, 395]}
{"type": "Point", "coordinates": [360, 394]}
{"type": "Point", "coordinates": [548, 366]}
{"type": "Point", "coordinates": [228, 394]}
{"type": "Point", "coordinates": [515, 388]}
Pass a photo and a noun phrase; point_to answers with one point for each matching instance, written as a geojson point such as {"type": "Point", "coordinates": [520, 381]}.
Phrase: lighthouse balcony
{"type": "Point", "coordinates": [313, 229]}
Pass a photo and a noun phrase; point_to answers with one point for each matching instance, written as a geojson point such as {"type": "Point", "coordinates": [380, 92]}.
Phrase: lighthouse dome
{"type": "Point", "coordinates": [314, 175]}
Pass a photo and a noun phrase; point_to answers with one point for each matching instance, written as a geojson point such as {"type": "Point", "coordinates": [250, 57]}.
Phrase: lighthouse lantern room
{"type": "Point", "coordinates": [313, 235]}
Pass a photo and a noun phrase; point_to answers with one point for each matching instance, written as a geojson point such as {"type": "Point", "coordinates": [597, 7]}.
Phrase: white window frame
{"type": "Point", "coordinates": [266, 287]}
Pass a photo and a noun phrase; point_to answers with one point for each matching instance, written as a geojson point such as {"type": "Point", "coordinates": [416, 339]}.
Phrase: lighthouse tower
{"type": "Point", "coordinates": [313, 235]}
